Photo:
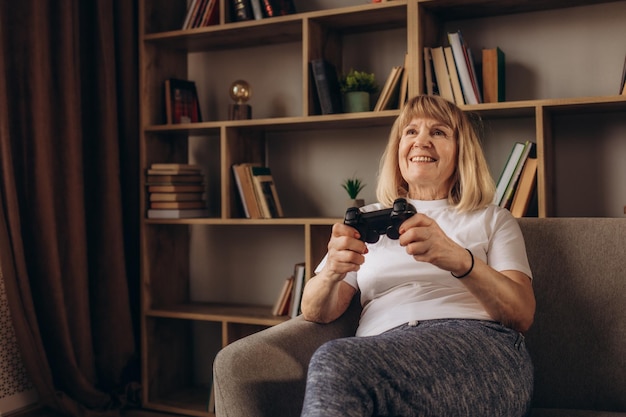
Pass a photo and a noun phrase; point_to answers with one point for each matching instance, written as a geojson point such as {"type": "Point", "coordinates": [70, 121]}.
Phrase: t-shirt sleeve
{"type": "Point", "coordinates": [507, 249]}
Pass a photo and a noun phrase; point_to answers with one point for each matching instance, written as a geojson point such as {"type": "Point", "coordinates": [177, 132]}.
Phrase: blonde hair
{"type": "Point", "coordinates": [472, 187]}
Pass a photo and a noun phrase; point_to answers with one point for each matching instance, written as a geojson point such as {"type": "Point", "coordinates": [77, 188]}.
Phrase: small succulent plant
{"type": "Point", "coordinates": [353, 187]}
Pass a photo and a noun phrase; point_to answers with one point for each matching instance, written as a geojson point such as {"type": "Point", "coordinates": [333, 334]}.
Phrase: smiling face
{"type": "Point", "coordinates": [427, 155]}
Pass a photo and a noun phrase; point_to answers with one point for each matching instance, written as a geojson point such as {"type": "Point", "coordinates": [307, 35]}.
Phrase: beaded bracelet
{"type": "Point", "coordinates": [469, 270]}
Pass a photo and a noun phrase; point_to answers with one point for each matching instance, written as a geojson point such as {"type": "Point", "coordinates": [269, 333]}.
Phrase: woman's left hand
{"type": "Point", "coordinates": [426, 242]}
{"type": "Point", "coordinates": [507, 296]}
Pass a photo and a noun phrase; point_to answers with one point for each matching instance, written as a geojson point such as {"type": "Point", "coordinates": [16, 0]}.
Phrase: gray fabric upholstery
{"type": "Point", "coordinates": [577, 341]}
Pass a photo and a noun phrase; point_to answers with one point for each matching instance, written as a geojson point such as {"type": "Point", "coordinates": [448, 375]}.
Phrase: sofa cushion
{"type": "Point", "coordinates": [578, 339]}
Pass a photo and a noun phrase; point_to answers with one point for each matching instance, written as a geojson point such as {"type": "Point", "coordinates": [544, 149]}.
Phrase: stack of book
{"type": "Point", "coordinates": [257, 191]}
{"type": "Point", "coordinates": [175, 191]}
{"type": "Point", "coordinates": [451, 72]}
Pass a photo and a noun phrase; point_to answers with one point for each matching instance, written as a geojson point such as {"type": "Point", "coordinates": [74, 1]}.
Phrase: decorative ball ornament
{"type": "Point", "coordinates": [240, 91]}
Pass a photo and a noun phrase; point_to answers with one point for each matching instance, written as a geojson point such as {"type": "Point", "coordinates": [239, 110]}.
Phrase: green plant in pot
{"type": "Point", "coordinates": [353, 187]}
{"type": "Point", "coordinates": [356, 87]}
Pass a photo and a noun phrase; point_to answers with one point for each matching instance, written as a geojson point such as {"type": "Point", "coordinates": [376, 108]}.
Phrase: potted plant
{"type": "Point", "coordinates": [353, 187]}
{"type": "Point", "coordinates": [356, 87]}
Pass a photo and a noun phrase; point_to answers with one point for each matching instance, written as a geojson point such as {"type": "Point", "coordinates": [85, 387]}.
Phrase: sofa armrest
{"type": "Point", "coordinates": [264, 374]}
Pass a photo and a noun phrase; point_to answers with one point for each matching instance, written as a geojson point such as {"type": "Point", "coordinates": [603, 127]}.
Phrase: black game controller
{"type": "Point", "coordinates": [381, 222]}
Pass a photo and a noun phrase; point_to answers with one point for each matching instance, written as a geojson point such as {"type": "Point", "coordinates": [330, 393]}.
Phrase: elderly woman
{"type": "Point", "coordinates": [445, 305]}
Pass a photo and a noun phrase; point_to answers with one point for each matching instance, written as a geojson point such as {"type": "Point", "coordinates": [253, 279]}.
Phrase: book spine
{"type": "Point", "coordinates": [241, 10]}
{"type": "Point", "coordinates": [257, 11]}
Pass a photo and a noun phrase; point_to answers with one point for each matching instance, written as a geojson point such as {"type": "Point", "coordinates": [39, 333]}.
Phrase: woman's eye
{"type": "Point", "coordinates": [410, 132]}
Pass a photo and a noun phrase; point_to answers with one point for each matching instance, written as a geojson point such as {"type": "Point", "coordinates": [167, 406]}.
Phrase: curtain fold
{"type": "Point", "coordinates": [69, 213]}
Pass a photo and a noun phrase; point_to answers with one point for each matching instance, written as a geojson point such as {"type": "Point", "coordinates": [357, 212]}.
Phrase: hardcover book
{"type": "Point", "coordinates": [181, 102]}
{"type": "Point", "coordinates": [266, 191]}
{"type": "Point", "coordinates": [327, 86]}
{"type": "Point", "coordinates": [441, 73]}
{"type": "Point", "coordinates": [493, 75]}
{"type": "Point", "coordinates": [508, 170]}
{"type": "Point", "coordinates": [247, 193]}
{"type": "Point", "coordinates": [525, 189]}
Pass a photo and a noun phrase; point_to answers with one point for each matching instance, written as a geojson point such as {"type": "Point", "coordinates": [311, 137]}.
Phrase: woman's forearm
{"type": "Point", "coordinates": [324, 300]}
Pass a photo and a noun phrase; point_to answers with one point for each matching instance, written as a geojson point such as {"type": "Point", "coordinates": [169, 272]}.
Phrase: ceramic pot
{"type": "Point", "coordinates": [358, 202]}
{"type": "Point", "coordinates": [356, 101]}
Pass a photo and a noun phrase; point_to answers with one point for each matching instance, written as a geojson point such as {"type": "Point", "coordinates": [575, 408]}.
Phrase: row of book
{"type": "Point", "coordinates": [517, 185]}
{"type": "Point", "coordinates": [242, 10]}
{"type": "Point", "coordinates": [327, 91]}
{"type": "Point", "coordinates": [201, 13]}
{"type": "Point", "coordinates": [451, 72]}
{"type": "Point", "coordinates": [290, 296]}
{"type": "Point", "coordinates": [257, 191]}
{"type": "Point", "coordinates": [175, 191]}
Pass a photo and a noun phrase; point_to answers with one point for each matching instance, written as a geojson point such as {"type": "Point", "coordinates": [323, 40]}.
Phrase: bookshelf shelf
{"type": "Point", "coordinates": [241, 263]}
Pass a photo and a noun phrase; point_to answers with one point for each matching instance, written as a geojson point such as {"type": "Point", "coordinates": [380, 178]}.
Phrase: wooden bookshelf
{"type": "Point", "coordinates": [191, 269]}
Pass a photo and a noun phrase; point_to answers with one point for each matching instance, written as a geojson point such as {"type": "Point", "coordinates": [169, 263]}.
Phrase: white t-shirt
{"type": "Point", "coordinates": [396, 289]}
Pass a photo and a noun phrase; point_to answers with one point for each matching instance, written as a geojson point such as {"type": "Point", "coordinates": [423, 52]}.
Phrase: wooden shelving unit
{"type": "Point", "coordinates": [181, 331]}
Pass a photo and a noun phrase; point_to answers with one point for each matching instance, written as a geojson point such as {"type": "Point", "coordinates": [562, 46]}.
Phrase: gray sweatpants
{"type": "Point", "coordinates": [443, 368]}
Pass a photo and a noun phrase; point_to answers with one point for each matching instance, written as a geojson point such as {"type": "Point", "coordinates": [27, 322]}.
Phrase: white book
{"type": "Point", "coordinates": [458, 50]}
{"type": "Point", "coordinates": [298, 287]}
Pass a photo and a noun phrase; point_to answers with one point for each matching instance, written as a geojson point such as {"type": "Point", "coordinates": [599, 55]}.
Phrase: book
{"type": "Point", "coordinates": [404, 83]}
{"type": "Point", "coordinates": [247, 193]}
{"type": "Point", "coordinates": [257, 11]}
{"type": "Point", "coordinates": [281, 306]}
{"type": "Point", "coordinates": [172, 179]}
{"type": "Point", "coordinates": [176, 196]}
{"type": "Point", "coordinates": [507, 171]}
{"type": "Point", "coordinates": [454, 76]}
{"type": "Point", "coordinates": [266, 191]}
{"type": "Point", "coordinates": [441, 73]}
{"type": "Point", "coordinates": [389, 89]}
{"type": "Point", "coordinates": [177, 204]}
{"type": "Point", "coordinates": [181, 102]}
{"type": "Point", "coordinates": [327, 86]}
{"type": "Point", "coordinates": [175, 188]}
{"type": "Point", "coordinates": [298, 287]}
{"type": "Point", "coordinates": [176, 213]}
{"type": "Point", "coordinates": [191, 13]}
{"type": "Point", "coordinates": [429, 71]}
{"type": "Point", "coordinates": [461, 59]}
{"type": "Point", "coordinates": [273, 8]}
{"type": "Point", "coordinates": [525, 189]}
{"type": "Point", "coordinates": [241, 10]}
{"type": "Point", "coordinates": [283, 297]}
{"type": "Point", "coordinates": [529, 150]}
{"type": "Point", "coordinates": [197, 18]}
{"type": "Point", "coordinates": [622, 88]}
{"type": "Point", "coordinates": [474, 74]}
{"type": "Point", "coordinates": [211, 14]}
{"type": "Point", "coordinates": [181, 171]}
{"type": "Point", "coordinates": [173, 166]}
{"type": "Point", "coordinates": [493, 75]}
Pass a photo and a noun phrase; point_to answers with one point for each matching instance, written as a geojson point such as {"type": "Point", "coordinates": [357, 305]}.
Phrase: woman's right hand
{"type": "Point", "coordinates": [345, 252]}
{"type": "Point", "coordinates": [326, 296]}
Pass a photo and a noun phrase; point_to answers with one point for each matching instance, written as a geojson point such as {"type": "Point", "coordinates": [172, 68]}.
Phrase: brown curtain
{"type": "Point", "coordinates": [69, 212]}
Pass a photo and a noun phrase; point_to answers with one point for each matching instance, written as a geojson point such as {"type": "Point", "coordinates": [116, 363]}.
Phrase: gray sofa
{"type": "Point", "coordinates": [578, 340]}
